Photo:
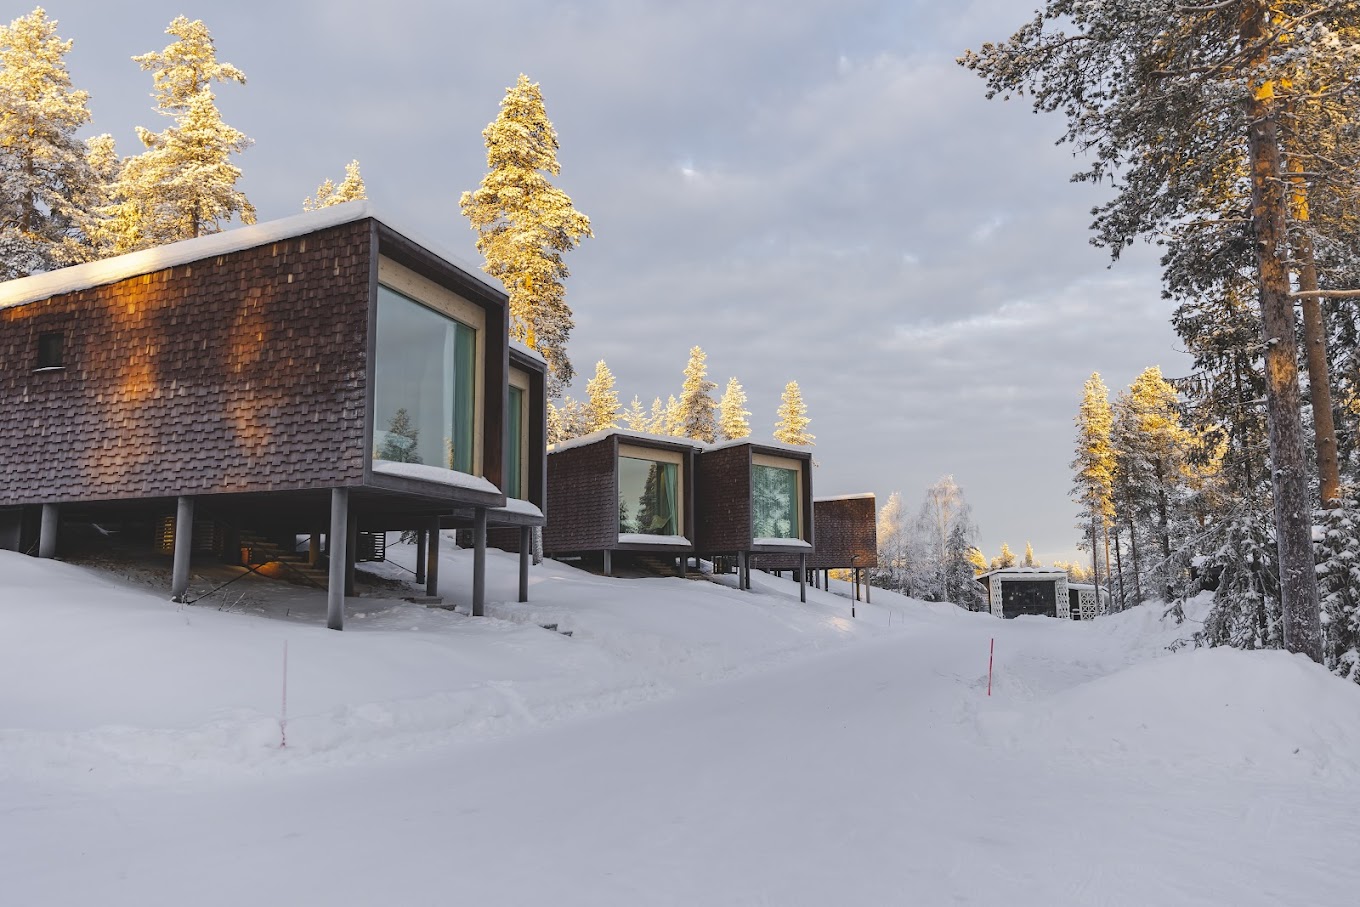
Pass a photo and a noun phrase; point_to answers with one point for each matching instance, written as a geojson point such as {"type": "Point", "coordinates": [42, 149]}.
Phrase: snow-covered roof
{"type": "Point", "coordinates": [624, 434]}
{"type": "Point", "coordinates": [524, 349]}
{"type": "Point", "coordinates": [771, 443]}
{"type": "Point", "coordinates": [1026, 572]}
{"type": "Point", "coordinates": [845, 497]}
{"type": "Point", "coordinates": [428, 473]}
{"type": "Point", "coordinates": [523, 508]}
{"type": "Point", "coordinates": [110, 270]}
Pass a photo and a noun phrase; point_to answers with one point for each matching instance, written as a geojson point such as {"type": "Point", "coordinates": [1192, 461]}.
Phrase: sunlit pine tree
{"type": "Point", "coordinates": [1029, 556]}
{"type": "Point", "coordinates": [732, 413]}
{"type": "Point", "coordinates": [44, 176]}
{"type": "Point", "coordinates": [351, 189]}
{"type": "Point", "coordinates": [697, 407]}
{"type": "Point", "coordinates": [602, 401]}
{"type": "Point", "coordinates": [184, 184]}
{"type": "Point", "coordinates": [1093, 468]}
{"type": "Point", "coordinates": [791, 425]}
{"type": "Point", "coordinates": [524, 225]}
{"type": "Point", "coordinates": [635, 418]}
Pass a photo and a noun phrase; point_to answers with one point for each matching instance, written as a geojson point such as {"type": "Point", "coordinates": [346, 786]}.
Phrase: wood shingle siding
{"type": "Point", "coordinates": [847, 536]}
{"type": "Point", "coordinates": [583, 504]}
{"type": "Point", "coordinates": [242, 372]}
{"type": "Point", "coordinates": [723, 492]}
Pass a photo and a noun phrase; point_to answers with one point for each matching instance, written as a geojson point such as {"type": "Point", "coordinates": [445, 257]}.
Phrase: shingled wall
{"type": "Point", "coordinates": [847, 536]}
{"type": "Point", "coordinates": [243, 372]}
{"type": "Point", "coordinates": [723, 499]}
{"type": "Point", "coordinates": [583, 498]}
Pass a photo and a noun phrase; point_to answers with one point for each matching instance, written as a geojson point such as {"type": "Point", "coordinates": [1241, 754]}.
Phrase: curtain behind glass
{"type": "Point", "coordinates": [647, 491]}
{"type": "Point", "coordinates": [515, 460]}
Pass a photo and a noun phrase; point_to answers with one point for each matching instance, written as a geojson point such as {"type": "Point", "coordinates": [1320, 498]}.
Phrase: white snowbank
{"type": "Point", "coordinates": [643, 538]}
{"type": "Point", "coordinates": [523, 508]}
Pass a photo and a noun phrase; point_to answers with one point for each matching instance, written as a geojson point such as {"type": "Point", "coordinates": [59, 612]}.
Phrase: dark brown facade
{"type": "Point", "coordinates": [724, 496]}
{"type": "Point", "coordinates": [847, 536]}
{"type": "Point", "coordinates": [583, 495]}
{"type": "Point", "coordinates": [235, 373]}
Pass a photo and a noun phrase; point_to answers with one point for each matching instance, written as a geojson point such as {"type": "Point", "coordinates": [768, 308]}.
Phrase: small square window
{"type": "Point", "coordinates": [50, 349]}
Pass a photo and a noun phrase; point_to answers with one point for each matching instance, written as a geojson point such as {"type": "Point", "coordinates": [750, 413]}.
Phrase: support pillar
{"type": "Point", "coordinates": [313, 549]}
{"type": "Point", "coordinates": [526, 542]}
{"type": "Point", "coordinates": [608, 563]}
{"type": "Point", "coordinates": [184, 543]}
{"type": "Point", "coordinates": [866, 591]}
{"type": "Point", "coordinates": [802, 578]}
{"type": "Point", "coordinates": [479, 562]}
{"type": "Point", "coordinates": [47, 534]}
{"type": "Point", "coordinates": [432, 560]}
{"type": "Point", "coordinates": [684, 566]}
{"type": "Point", "coordinates": [335, 580]}
{"type": "Point", "coordinates": [741, 570]}
{"type": "Point", "coordinates": [420, 556]}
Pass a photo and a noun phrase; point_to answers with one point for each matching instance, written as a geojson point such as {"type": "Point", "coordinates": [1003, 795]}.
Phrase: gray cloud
{"type": "Point", "coordinates": [811, 191]}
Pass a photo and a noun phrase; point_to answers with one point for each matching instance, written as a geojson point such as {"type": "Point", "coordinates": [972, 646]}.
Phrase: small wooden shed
{"type": "Point", "coordinates": [1013, 591]}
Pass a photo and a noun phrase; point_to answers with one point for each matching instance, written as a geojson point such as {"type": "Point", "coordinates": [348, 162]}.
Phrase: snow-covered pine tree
{"type": "Point", "coordinates": [524, 225]}
{"type": "Point", "coordinates": [184, 184]}
{"type": "Point", "coordinates": [351, 189]}
{"type": "Point", "coordinates": [791, 425]}
{"type": "Point", "coordinates": [1338, 556]}
{"type": "Point", "coordinates": [978, 561]}
{"type": "Point", "coordinates": [658, 422]}
{"type": "Point", "coordinates": [671, 418]}
{"type": "Point", "coordinates": [732, 413]}
{"type": "Point", "coordinates": [959, 585]}
{"type": "Point", "coordinates": [1093, 467]}
{"type": "Point", "coordinates": [555, 429]}
{"type": "Point", "coordinates": [44, 176]}
{"type": "Point", "coordinates": [695, 416]}
{"type": "Point", "coordinates": [1246, 612]}
{"type": "Point", "coordinates": [635, 417]}
{"type": "Point", "coordinates": [1029, 556]}
{"type": "Point", "coordinates": [1135, 82]}
{"type": "Point", "coordinates": [1005, 559]}
{"type": "Point", "coordinates": [602, 401]}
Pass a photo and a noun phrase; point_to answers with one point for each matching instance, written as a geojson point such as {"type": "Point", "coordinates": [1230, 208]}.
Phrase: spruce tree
{"type": "Point", "coordinates": [44, 176]}
{"type": "Point", "coordinates": [1005, 559]}
{"type": "Point", "coordinates": [602, 401]}
{"type": "Point", "coordinates": [351, 189]}
{"type": "Point", "coordinates": [670, 418]}
{"type": "Point", "coordinates": [524, 225]}
{"type": "Point", "coordinates": [635, 417]}
{"type": "Point", "coordinates": [695, 416]}
{"type": "Point", "coordinates": [1183, 107]}
{"type": "Point", "coordinates": [732, 413]}
{"type": "Point", "coordinates": [184, 184]}
{"type": "Point", "coordinates": [792, 420]}
{"type": "Point", "coordinates": [1029, 556]}
{"type": "Point", "coordinates": [657, 421]}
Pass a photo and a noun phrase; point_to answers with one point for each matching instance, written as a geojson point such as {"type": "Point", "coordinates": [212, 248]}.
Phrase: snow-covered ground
{"type": "Point", "coordinates": [688, 744]}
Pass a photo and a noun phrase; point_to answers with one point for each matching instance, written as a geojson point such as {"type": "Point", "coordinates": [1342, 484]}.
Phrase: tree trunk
{"type": "Point", "coordinates": [1119, 562]}
{"type": "Point", "coordinates": [1293, 520]}
{"type": "Point", "coordinates": [1315, 346]}
{"type": "Point", "coordinates": [1137, 578]}
{"type": "Point", "coordinates": [1164, 530]}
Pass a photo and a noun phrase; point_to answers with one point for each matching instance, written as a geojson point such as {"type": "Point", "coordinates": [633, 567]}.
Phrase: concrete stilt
{"type": "Point", "coordinates": [47, 534]}
{"type": "Point", "coordinates": [525, 553]}
{"type": "Point", "coordinates": [608, 564]}
{"type": "Point", "coordinates": [335, 583]}
{"type": "Point", "coordinates": [420, 556]}
{"type": "Point", "coordinates": [479, 562]}
{"type": "Point", "coordinates": [742, 576]}
{"type": "Point", "coordinates": [432, 560]}
{"type": "Point", "coordinates": [184, 543]}
{"type": "Point", "coordinates": [802, 578]}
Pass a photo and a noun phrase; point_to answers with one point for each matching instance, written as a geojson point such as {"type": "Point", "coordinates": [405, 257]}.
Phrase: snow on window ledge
{"type": "Point", "coordinates": [788, 543]}
{"type": "Point", "coordinates": [643, 538]}
{"type": "Point", "coordinates": [427, 473]}
{"type": "Point", "coordinates": [523, 508]}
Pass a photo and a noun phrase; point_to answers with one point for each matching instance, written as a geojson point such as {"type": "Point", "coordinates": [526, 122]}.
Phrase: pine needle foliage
{"type": "Point", "coordinates": [351, 189]}
{"type": "Point", "coordinates": [524, 225]}
{"type": "Point", "coordinates": [791, 425]}
{"type": "Point", "coordinates": [45, 180]}
{"type": "Point", "coordinates": [732, 413]}
{"type": "Point", "coordinates": [602, 401]}
{"type": "Point", "coordinates": [694, 417]}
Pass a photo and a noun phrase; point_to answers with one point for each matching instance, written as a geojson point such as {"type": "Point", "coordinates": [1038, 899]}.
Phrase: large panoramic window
{"type": "Point", "coordinates": [514, 461]}
{"type": "Point", "coordinates": [648, 502]}
{"type": "Point", "coordinates": [424, 402]}
{"type": "Point", "coordinates": [774, 502]}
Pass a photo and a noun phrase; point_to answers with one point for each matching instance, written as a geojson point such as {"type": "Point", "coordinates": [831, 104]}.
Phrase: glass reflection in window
{"type": "Point", "coordinates": [647, 497]}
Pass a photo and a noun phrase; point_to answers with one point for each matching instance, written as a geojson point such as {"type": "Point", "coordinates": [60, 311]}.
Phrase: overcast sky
{"type": "Point", "coordinates": [808, 190]}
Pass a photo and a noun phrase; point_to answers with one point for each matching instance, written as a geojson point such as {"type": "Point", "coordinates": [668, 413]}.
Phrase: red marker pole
{"type": "Point", "coordinates": [991, 653]}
